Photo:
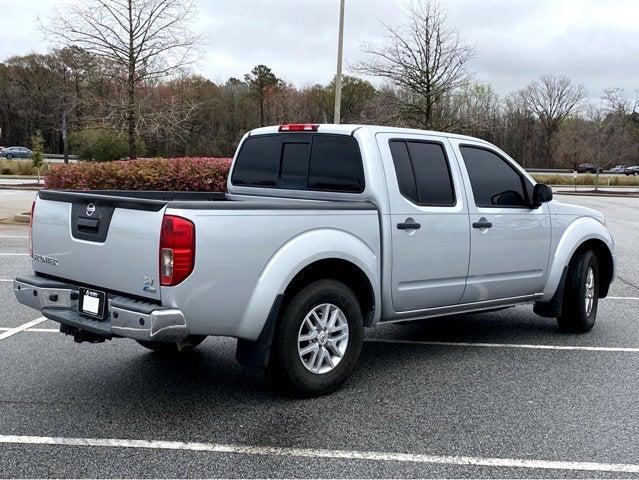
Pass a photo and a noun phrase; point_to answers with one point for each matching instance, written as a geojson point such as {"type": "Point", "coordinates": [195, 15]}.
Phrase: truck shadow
{"type": "Point", "coordinates": [207, 395]}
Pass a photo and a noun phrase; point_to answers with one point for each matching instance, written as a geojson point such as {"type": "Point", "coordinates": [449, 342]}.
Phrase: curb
{"type": "Point", "coordinates": [21, 187]}
{"type": "Point", "coordinates": [599, 194]}
{"type": "Point", "coordinates": [21, 217]}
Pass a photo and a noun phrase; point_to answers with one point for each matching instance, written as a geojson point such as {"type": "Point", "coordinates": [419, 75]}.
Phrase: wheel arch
{"type": "Point", "coordinates": [305, 256]}
{"type": "Point", "coordinates": [342, 271]}
{"type": "Point", "coordinates": [605, 262]}
{"type": "Point", "coordinates": [583, 233]}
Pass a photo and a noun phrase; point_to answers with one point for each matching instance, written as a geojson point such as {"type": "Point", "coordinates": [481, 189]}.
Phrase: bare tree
{"type": "Point", "coordinates": [145, 40]}
{"type": "Point", "coordinates": [423, 57]}
{"type": "Point", "coordinates": [618, 103]}
{"type": "Point", "coordinates": [552, 99]}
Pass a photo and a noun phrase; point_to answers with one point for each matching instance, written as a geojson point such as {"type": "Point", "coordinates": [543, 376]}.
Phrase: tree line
{"type": "Point", "coordinates": [117, 84]}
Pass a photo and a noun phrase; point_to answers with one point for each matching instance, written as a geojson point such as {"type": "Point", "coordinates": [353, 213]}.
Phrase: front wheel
{"type": "Point", "coordinates": [173, 348]}
{"type": "Point", "coordinates": [581, 294]}
{"type": "Point", "coordinates": [317, 340]}
{"type": "Point", "coordinates": [9, 156]}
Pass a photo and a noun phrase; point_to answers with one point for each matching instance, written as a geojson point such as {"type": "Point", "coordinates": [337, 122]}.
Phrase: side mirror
{"type": "Point", "coordinates": [542, 193]}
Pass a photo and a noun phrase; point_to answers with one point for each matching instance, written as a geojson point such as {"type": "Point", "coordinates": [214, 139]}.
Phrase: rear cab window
{"type": "Point", "coordinates": [300, 161]}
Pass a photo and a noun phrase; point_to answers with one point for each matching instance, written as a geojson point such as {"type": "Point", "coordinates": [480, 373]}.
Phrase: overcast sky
{"type": "Point", "coordinates": [594, 42]}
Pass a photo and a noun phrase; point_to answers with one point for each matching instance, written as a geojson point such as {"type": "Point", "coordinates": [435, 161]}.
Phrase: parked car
{"type": "Point", "coordinates": [325, 230]}
{"type": "Point", "coordinates": [16, 152]}
{"type": "Point", "coordinates": [589, 168]}
{"type": "Point", "coordinates": [634, 170]}
{"type": "Point", "coordinates": [618, 169]}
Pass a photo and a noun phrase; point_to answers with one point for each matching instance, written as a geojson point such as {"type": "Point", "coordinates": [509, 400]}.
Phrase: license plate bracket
{"type": "Point", "coordinates": [92, 302]}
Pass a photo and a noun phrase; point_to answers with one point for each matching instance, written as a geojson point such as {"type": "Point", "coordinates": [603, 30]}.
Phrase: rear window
{"type": "Point", "coordinates": [300, 161]}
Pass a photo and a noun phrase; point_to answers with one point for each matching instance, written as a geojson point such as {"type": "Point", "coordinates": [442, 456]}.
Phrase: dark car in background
{"type": "Point", "coordinates": [16, 152]}
{"type": "Point", "coordinates": [589, 168]}
{"type": "Point", "coordinates": [633, 170]}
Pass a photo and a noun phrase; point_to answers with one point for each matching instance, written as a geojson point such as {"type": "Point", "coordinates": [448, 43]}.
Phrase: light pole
{"type": "Point", "coordinates": [338, 77]}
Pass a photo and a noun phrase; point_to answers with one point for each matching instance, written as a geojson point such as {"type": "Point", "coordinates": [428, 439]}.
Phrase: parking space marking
{"type": "Point", "coordinates": [14, 236]}
{"type": "Point", "coordinates": [40, 330]}
{"type": "Point", "coordinates": [14, 254]}
{"type": "Point", "coordinates": [412, 342]}
{"type": "Point", "coordinates": [21, 328]}
{"type": "Point", "coordinates": [620, 298]}
{"type": "Point", "coordinates": [504, 345]}
{"type": "Point", "coordinates": [321, 453]}
{"type": "Point", "coordinates": [5, 280]}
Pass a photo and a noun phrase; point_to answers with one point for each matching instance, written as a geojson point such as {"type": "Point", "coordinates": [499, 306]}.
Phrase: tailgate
{"type": "Point", "coordinates": [100, 241]}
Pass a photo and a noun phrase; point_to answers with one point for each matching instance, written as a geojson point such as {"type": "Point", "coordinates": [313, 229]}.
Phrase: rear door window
{"type": "Point", "coordinates": [423, 172]}
{"type": "Point", "coordinates": [300, 161]}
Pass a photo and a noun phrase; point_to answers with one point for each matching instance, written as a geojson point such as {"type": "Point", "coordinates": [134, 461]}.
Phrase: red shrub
{"type": "Point", "coordinates": [177, 174]}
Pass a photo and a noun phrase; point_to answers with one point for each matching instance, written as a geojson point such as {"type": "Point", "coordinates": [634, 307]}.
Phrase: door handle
{"type": "Point", "coordinates": [409, 225]}
{"type": "Point", "coordinates": [482, 223]}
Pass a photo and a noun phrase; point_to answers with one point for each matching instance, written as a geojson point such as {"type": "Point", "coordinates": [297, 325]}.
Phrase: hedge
{"type": "Point", "coordinates": [161, 174]}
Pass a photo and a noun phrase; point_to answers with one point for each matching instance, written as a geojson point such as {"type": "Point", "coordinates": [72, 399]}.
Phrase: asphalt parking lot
{"type": "Point", "coordinates": [501, 394]}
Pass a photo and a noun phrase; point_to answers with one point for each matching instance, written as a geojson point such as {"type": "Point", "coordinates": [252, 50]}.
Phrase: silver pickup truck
{"type": "Point", "coordinates": [325, 230]}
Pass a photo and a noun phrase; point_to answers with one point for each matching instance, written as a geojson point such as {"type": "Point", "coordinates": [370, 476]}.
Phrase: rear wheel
{"type": "Point", "coordinates": [317, 340]}
{"type": "Point", "coordinates": [581, 294]}
{"type": "Point", "coordinates": [171, 348]}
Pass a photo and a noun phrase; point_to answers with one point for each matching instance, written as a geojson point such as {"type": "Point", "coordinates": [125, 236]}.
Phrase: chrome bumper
{"type": "Point", "coordinates": [125, 317]}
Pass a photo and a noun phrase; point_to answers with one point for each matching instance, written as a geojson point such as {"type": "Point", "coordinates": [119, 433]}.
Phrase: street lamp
{"type": "Point", "coordinates": [338, 77]}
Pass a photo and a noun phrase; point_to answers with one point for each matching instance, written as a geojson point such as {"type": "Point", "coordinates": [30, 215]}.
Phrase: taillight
{"type": "Point", "coordinates": [31, 229]}
{"type": "Point", "coordinates": [299, 127]}
{"type": "Point", "coordinates": [177, 250]}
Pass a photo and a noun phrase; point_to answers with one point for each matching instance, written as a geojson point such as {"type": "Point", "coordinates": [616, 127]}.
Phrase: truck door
{"type": "Point", "coordinates": [510, 240]}
{"type": "Point", "coordinates": [429, 221]}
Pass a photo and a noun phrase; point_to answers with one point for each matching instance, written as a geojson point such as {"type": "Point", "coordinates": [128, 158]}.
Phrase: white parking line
{"type": "Point", "coordinates": [14, 236]}
{"type": "Point", "coordinates": [620, 298]}
{"type": "Point", "coordinates": [425, 342]}
{"type": "Point", "coordinates": [5, 280]}
{"type": "Point", "coordinates": [40, 330]}
{"type": "Point", "coordinates": [21, 328]}
{"type": "Point", "coordinates": [505, 345]}
{"type": "Point", "coordinates": [321, 453]}
{"type": "Point", "coordinates": [14, 254]}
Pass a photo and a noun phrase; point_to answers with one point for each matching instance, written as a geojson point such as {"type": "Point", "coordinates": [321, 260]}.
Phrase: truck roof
{"type": "Point", "coordinates": [349, 129]}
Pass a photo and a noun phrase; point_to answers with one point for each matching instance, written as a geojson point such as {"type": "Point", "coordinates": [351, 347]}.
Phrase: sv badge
{"type": "Point", "coordinates": [149, 283]}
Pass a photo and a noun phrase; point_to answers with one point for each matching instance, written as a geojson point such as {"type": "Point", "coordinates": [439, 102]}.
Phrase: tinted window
{"type": "Point", "coordinates": [495, 183]}
{"type": "Point", "coordinates": [336, 164]}
{"type": "Point", "coordinates": [300, 161]}
{"type": "Point", "coordinates": [422, 172]}
{"type": "Point", "coordinates": [258, 162]}
{"type": "Point", "coordinates": [294, 169]}
{"type": "Point", "coordinates": [404, 170]}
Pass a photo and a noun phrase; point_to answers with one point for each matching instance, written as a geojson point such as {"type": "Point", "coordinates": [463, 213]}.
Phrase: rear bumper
{"type": "Point", "coordinates": [125, 317]}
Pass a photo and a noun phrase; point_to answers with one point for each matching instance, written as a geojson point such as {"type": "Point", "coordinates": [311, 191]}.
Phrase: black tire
{"type": "Point", "coordinates": [285, 365]}
{"type": "Point", "coordinates": [9, 156]}
{"type": "Point", "coordinates": [173, 348]}
{"type": "Point", "coordinates": [574, 314]}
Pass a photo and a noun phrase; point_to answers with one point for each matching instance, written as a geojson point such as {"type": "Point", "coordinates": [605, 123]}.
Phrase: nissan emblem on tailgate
{"type": "Point", "coordinates": [90, 209]}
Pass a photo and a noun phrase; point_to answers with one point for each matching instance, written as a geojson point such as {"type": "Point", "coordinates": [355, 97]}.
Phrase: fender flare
{"type": "Point", "coordinates": [291, 258]}
{"type": "Point", "coordinates": [576, 234]}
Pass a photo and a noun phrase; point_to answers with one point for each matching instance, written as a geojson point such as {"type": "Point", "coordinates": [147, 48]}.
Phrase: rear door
{"type": "Point", "coordinates": [510, 241]}
{"type": "Point", "coordinates": [96, 243]}
{"type": "Point", "coordinates": [429, 221]}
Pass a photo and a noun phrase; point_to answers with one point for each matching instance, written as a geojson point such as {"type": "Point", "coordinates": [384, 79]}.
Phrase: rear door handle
{"type": "Point", "coordinates": [409, 226]}
{"type": "Point", "coordinates": [483, 223]}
